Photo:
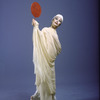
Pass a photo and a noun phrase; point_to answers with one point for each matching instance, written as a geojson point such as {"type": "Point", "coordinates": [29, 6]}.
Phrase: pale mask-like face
{"type": "Point", "coordinates": [56, 22]}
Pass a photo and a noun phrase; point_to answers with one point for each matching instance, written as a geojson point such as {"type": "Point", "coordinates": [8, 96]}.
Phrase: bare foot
{"type": "Point", "coordinates": [35, 96]}
{"type": "Point", "coordinates": [31, 98]}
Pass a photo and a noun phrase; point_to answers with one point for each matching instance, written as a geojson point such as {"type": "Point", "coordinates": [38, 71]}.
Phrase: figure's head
{"type": "Point", "coordinates": [57, 21]}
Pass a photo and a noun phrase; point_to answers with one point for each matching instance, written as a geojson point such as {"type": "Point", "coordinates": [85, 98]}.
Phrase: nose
{"type": "Point", "coordinates": [57, 21]}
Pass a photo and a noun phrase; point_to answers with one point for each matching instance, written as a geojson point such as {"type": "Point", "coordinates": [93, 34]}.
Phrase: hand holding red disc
{"type": "Point", "coordinates": [35, 9]}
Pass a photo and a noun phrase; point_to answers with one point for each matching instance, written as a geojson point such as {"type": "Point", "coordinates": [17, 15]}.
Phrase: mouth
{"type": "Point", "coordinates": [56, 23]}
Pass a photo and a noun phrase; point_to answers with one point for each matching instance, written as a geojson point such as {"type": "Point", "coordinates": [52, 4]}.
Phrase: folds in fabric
{"type": "Point", "coordinates": [46, 47]}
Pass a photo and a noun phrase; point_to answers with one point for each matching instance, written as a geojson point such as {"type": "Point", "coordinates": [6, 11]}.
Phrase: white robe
{"type": "Point", "coordinates": [46, 47]}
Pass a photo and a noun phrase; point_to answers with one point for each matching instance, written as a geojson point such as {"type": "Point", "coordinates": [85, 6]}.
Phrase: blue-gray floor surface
{"type": "Point", "coordinates": [63, 92]}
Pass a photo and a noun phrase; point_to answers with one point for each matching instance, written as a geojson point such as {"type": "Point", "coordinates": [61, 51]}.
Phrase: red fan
{"type": "Point", "coordinates": [36, 9]}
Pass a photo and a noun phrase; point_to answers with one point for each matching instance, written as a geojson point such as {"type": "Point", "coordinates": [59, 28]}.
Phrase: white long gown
{"type": "Point", "coordinates": [46, 47]}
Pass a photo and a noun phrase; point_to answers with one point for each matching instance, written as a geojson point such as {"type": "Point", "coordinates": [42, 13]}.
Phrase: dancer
{"type": "Point", "coordinates": [46, 47]}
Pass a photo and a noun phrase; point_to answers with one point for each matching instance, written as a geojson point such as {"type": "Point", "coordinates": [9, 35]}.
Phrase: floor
{"type": "Point", "coordinates": [63, 92]}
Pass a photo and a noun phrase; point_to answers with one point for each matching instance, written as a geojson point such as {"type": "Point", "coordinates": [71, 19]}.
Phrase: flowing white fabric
{"type": "Point", "coordinates": [46, 47]}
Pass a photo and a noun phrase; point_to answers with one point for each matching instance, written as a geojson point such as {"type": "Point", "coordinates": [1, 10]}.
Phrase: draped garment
{"type": "Point", "coordinates": [46, 47]}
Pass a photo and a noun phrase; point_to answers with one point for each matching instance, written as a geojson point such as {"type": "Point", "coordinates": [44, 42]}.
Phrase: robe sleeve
{"type": "Point", "coordinates": [36, 30]}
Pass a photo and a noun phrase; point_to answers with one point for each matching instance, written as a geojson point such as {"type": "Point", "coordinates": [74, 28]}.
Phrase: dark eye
{"type": "Point", "coordinates": [56, 18]}
{"type": "Point", "coordinates": [60, 21]}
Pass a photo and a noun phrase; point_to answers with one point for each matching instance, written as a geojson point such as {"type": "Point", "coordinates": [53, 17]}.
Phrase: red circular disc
{"type": "Point", "coordinates": [36, 9]}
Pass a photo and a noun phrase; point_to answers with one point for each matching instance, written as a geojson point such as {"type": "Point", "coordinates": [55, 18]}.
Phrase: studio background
{"type": "Point", "coordinates": [77, 75]}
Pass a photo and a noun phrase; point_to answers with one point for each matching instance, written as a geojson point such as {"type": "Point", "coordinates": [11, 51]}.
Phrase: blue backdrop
{"type": "Point", "coordinates": [77, 65]}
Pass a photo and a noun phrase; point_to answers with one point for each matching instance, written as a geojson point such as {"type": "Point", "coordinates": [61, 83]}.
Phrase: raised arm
{"type": "Point", "coordinates": [36, 30]}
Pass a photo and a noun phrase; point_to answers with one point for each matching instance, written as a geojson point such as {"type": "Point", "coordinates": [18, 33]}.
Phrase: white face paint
{"type": "Point", "coordinates": [56, 22]}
